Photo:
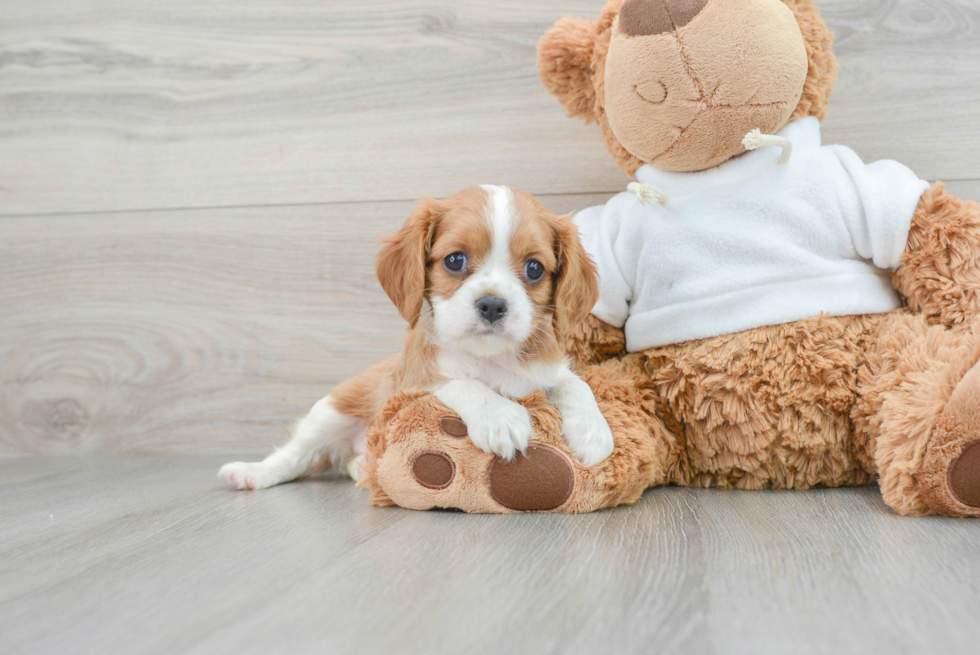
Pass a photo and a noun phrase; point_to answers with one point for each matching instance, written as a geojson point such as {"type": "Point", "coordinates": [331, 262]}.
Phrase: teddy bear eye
{"type": "Point", "coordinates": [533, 270]}
{"type": "Point", "coordinates": [455, 262]}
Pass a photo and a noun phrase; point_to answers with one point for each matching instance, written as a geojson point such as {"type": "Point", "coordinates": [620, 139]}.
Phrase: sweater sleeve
{"type": "Point", "coordinates": [879, 200]}
{"type": "Point", "coordinates": [599, 228]}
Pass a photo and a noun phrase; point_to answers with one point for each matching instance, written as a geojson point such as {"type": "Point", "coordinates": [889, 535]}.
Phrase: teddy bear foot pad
{"type": "Point", "coordinates": [964, 476]}
{"type": "Point", "coordinates": [539, 480]}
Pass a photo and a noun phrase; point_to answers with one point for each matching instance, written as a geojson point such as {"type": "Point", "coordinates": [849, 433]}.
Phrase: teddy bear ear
{"type": "Point", "coordinates": [565, 64]}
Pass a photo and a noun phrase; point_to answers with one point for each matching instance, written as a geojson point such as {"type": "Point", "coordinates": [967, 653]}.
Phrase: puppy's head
{"type": "Point", "coordinates": [501, 273]}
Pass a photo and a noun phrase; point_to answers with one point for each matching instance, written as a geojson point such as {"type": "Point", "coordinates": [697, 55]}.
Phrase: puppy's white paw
{"type": "Point", "coordinates": [355, 468]}
{"type": "Point", "coordinates": [587, 433]}
{"type": "Point", "coordinates": [244, 475]}
{"type": "Point", "coordinates": [504, 430]}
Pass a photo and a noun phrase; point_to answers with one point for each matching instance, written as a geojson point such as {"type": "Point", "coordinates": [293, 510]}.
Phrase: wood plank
{"type": "Point", "coordinates": [130, 104]}
{"type": "Point", "coordinates": [969, 189]}
{"type": "Point", "coordinates": [148, 555]}
{"type": "Point", "coordinates": [202, 331]}
{"type": "Point", "coordinates": [909, 83]}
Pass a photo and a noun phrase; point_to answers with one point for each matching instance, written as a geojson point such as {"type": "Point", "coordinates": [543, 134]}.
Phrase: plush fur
{"type": "Point", "coordinates": [828, 401]}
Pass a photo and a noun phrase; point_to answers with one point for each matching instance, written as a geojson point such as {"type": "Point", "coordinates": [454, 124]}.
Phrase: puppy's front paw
{"type": "Point", "coordinates": [587, 433]}
{"type": "Point", "coordinates": [503, 430]}
{"type": "Point", "coordinates": [243, 475]}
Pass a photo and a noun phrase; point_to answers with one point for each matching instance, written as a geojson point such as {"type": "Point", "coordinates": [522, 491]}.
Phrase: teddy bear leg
{"type": "Point", "coordinates": [920, 411]}
{"type": "Point", "coordinates": [419, 456]}
{"type": "Point", "coordinates": [940, 271]}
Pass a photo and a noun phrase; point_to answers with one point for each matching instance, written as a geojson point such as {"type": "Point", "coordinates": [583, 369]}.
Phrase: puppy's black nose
{"type": "Point", "coordinates": [492, 308]}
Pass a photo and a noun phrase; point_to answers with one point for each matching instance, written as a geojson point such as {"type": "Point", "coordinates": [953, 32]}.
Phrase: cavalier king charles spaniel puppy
{"type": "Point", "coordinates": [488, 281]}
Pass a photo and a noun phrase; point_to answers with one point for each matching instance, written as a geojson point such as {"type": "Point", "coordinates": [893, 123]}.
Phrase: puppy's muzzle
{"type": "Point", "coordinates": [491, 308]}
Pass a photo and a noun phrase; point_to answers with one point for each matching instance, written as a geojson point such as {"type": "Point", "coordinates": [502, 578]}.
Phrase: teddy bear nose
{"type": "Point", "coordinates": [649, 17]}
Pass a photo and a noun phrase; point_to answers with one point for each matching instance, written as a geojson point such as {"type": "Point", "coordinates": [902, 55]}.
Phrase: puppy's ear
{"type": "Point", "coordinates": [402, 262]}
{"type": "Point", "coordinates": [565, 65]}
{"type": "Point", "coordinates": [577, 281]}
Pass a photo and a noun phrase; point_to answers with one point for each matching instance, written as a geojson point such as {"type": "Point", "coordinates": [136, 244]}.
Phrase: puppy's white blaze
{"type": "Point", "coordinates": [501, 221]}
{"type": "Point", "coordinates": [457, 321]}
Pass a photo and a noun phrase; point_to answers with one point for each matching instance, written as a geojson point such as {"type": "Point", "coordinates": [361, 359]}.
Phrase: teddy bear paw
{"type": "Point", "coordinates": [948, 480]}
{"type": "Point", "coordinates": [446, 470]}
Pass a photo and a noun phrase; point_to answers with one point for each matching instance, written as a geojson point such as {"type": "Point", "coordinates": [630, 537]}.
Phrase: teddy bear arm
{"type": "Point", "coordinates": [939, 276]}
{"type": "Point", "coordinates": [594, 341]}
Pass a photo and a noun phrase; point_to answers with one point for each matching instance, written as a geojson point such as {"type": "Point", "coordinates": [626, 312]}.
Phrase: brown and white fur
{"type": "Point", "coordinates": [473, 356]}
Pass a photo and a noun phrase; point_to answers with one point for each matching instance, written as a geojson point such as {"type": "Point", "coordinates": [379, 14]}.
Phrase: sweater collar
{"type": "Point", "coordinates": [804, 133]}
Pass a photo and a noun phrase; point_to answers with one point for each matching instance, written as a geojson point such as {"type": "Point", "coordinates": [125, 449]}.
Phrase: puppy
{"type": "Point", "coordinates": [488, 281]}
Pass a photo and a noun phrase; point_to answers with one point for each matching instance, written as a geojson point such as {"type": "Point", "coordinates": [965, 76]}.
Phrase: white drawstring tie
{"type": "Point", "coordinates": [756, 139]}
{"type": "Point", "coordinates": [646, 194]}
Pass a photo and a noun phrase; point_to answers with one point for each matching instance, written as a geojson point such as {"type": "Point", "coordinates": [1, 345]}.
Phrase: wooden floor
{"type": "Point", "coordinates": [191, 196]}
{"type": "Point", "coordinates": [140, 554]}
{"type": "Point", "coordinates": [192, 192]}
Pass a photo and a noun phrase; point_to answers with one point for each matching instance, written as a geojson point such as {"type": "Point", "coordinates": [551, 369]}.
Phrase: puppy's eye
{"type": "Point", "coordinates": [533, 270]}
{"type": "Point", "coordinates": [455, 262]}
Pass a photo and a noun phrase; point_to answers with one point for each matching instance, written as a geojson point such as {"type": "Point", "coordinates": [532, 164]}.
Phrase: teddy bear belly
{"type": "Point", "coordinates": [767, 408]}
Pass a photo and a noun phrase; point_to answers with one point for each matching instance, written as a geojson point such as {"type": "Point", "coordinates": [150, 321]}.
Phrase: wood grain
{"type": "Point", "coordinates": [969, 189]}
{"type": "Point", "coordinates": [130, 104]}
{"type": "Point", "coordinates": [192, 331]}
{"type": "Point", "coordinates": [131, 554]}
{"type": "Point", "coordinates": [202, 331]}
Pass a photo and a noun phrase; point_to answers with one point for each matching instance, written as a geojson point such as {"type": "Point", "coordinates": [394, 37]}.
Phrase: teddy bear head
{"type": "Point", "coordinates": [678, 84]}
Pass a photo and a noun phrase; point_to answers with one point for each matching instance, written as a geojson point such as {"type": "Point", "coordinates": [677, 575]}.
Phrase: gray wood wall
{"type": "Point", "coordinates": [191, 192]}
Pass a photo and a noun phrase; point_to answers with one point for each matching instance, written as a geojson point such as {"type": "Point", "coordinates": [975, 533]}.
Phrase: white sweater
{"type": "Point", "coordinates": [752, 242]}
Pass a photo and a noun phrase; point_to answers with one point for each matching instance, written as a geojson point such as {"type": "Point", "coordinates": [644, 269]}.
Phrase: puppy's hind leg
{"type": "Point", "coordinates": [323, 432]}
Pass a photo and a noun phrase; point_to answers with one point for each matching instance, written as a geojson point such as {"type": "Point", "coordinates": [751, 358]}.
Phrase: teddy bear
{"type": "Point", "coordinates": [774, 313]}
